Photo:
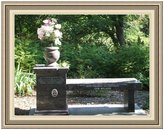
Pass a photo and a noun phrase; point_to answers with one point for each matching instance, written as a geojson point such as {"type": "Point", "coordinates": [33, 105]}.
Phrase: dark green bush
{"type": "Point", "coordinates": [28, 53]}
{"type": "Point", "coordinates": [86, 60]}
{"type": "Point", "coordinates": [131, 61]}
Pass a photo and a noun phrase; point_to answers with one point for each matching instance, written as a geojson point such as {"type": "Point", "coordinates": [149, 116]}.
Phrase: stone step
{"type": "Point", "coordinates": [99, 109]}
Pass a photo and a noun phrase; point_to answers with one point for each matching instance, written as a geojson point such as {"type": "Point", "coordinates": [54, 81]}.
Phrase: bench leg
{"type": "Point", "coordinates": [129, 103]}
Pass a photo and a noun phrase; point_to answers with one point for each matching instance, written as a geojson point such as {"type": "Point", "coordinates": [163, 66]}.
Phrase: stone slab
{"type": "Point", "coordinates": [100, 109]}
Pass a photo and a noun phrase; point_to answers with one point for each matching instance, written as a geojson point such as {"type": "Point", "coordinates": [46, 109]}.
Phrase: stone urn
{"type": "Point", "coordinates": [52, 55]}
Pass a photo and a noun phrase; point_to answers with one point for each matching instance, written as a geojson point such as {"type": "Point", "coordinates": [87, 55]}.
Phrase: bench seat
{"type": "Point", "coordinates": [128, 85]}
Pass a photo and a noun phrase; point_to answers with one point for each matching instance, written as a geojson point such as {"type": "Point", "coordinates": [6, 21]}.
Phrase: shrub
{"type": "Point", "coordinates": [131, 61]}
{"type": "Point", "coordinates": [28, 53]}
{"type": "Point", "coordinates": [86, 60]}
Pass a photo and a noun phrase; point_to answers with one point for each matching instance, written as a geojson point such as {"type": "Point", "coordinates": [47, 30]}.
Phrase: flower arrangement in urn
{"type": "Point", "coordinates": [50, 33]}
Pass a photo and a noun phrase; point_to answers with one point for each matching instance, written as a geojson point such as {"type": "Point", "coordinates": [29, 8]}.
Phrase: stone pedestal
{"type": "Point", "coordinates": [51, 90]}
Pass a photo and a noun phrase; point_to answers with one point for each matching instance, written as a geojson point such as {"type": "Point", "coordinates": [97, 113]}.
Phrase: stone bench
{"type": "Point", "coordinates": [127, 85]}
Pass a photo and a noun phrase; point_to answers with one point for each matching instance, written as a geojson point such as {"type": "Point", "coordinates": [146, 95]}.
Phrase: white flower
{"type": "Point", "coordinates": [50, 21]}
{"type": "Point", "coordinates": [54, 20]}
{"type": "Point", "coordinates": [46, 21]}
{"type": "Point", "coordinates": [40, 33]}
{"type": "Point", "coordinates": [57, 41]}
{"type": "Point", "coordinates": [50, 31]}
{"type": "Point", "coordinates": [48, 34]}
{"type": "Point", "coordinates": [47, 28]}
{"type": "Point", "coordinates": [58, 26]}
{"type": "Point", "coordinates": [57, 34]}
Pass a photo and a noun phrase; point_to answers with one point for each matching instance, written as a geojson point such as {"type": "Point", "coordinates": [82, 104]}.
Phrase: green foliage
{"type": "Point", "coordinates": [146, 105]}
{"type": "Point", "coordinates": [137, 29]}
{"type": "Point", "coordinates": [64, 64]}
{"type": "Point", "coordinates": [24, 82]}
{"type": "Point", "coordinates": [131, 61]}
{"type": "Point", "coordinates": [26, 26]}
{"type": "Point", "coordinates": [28, 53]}
{"type": "Point", "coordinates": [86, 61]}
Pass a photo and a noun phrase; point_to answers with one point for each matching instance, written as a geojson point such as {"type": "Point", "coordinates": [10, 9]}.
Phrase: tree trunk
{"type": "Point", "coordinates": [119, 29]}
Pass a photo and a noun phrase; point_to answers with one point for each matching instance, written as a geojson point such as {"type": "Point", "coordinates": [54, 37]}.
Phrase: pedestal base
{"type": "Point", "coordinates": [51, 90]}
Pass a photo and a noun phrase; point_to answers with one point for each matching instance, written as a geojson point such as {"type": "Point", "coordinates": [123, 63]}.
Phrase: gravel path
{"type": "Point", "coordinates": [23, 104]}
